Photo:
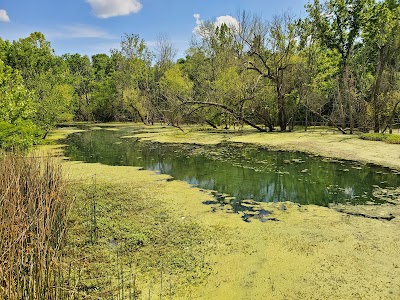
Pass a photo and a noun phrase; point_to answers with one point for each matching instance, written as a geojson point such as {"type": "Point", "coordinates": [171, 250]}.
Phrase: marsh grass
{"type": "Point", "coordinates": [33, 210]}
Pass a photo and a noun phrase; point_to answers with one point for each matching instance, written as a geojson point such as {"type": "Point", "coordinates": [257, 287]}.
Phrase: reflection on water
{"type": "Point", "coordinates": [244, 172]}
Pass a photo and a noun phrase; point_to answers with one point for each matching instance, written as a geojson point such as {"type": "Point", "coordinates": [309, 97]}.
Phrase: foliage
{"type": "Point", "coordinates": [19, 136]}
{"type": "Point", "coordinates": [338, 66]}
{"type": "Point", "coordinates": [175, 87]}
{"type": "Point", "coordinates": [388, 138]}
{"type": "Point", "coordinates": [17, 130]}
{"type": "Point", "coordinates": [373, 136]}
{"type": "Point", "coordinates": [392, 139]}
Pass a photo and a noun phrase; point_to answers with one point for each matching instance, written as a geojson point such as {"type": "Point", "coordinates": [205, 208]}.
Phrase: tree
{"type": "Point", "coordinates": [133, 79]}
{"type": "Point", "coordinates": [82, 80]}
{"type": "Point", "coordinates": [337, 25]}
{"type": "Point", "coordinates": [174, 86]}
{"type": "Point", "coordinates": [318, 77]}
{"type": "Point", "coordinates": [46, 76]}
{"type": "Point", "coordinates": [272, 48]}
{"type": "Point", "coordinates": [165, 55]}
{"type": "Point", "coordinates": [16, 111]}
{"type": "Point", "coordinates": [381, 38]}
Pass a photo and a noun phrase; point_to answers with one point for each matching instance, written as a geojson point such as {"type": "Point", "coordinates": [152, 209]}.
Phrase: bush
{"type": "Point", "coordinates": [18, 137]}
{"type": "Point", "coordinates": [372, 136]}
{"type": "Point", "coordinates": [388, 138]}
{"type": "Point", "coordinates": [393, 139]}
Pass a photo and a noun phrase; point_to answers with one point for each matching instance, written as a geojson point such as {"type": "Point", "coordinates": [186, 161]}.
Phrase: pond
{"type": "Point", "coordinates": [241, 171]}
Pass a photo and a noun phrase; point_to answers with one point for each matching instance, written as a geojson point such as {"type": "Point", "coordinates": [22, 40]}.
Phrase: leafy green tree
{"type": "Point", "coordinates": [381, 42]}
{"type": "Point", "coordinates": [175, 86]}
{"type": "Point", "coordinates": [54, 101]}
{"type": "Point", "coordinates": [81, 78]}
{"type": "Point", "coordinates": [337, 25]}
{"type": "Point", "coordinates": [46, 76]}
{"type": "Point", "coordinates": [134, 79]}
{"type": "Point", "coordinates": [319, 77]}
{"type": "Point", "coordinates": [17, 130]}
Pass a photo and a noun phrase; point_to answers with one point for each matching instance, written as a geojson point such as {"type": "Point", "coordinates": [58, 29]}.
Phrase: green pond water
{"type": "Point", "coordinates": [242, 171]}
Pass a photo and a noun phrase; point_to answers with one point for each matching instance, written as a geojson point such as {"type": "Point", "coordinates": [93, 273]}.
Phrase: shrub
{"type": "Point", "coordinates": [393, 139]}
{"type": "Point", "coordinates": [372, 136]}
{"type": "Point", "coordinates": [388, 138]}
{"type": "Point", "coordinates": [18, 137]}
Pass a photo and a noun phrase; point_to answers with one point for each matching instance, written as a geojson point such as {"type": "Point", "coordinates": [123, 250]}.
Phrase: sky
{"type": "Point", "coordinates": [95, 26]}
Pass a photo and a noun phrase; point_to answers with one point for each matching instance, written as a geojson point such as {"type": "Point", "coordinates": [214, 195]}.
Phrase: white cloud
{"type": "Point", "coordinates": [76, 31]}
{"type": "Point", "coordinates": [4, 16]}
{"type": "Point", "coordinates": [111, 8]}
{"type": "Point", "coordinates": [199, 22]}
{"type": "Point", "coordinates": [230, 21]}
{"type": "Point", "coordinates": [84, 31]}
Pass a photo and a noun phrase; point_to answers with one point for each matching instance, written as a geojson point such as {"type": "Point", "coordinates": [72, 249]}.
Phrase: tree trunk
{"type": "Point", "coordinates": [282, 118]}
{"type": "Point", "coordinates": [375, 91]}
{"type": "Point", "coordinates": [391, 117]}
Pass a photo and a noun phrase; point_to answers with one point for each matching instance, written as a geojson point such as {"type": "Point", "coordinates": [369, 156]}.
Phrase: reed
{"type": "Point", "coordinates": [33, 208]}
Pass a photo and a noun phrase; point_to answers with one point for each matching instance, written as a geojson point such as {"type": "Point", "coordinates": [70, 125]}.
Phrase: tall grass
{"type": "Point", "coordinates": [32, 225]}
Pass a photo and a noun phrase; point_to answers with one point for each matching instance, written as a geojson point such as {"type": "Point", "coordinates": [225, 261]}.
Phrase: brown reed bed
{"type": "Point", "coordinates": [33, 210]}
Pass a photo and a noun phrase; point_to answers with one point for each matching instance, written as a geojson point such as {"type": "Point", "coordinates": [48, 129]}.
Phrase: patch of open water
{"type": "Point", "coordinates": [240, 171]}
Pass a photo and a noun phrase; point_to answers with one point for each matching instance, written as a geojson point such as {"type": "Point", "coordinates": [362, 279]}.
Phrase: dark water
{"type": "Point", "coordinates": [244, 172]}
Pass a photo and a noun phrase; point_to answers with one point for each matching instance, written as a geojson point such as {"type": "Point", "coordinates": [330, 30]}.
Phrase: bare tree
{"type": "Point", "coordinates": [165, 52]}
{"type": "Point", "coordinates": [271, 49]}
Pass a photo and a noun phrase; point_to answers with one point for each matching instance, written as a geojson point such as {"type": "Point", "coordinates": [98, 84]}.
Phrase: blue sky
{"type": "Point", "coordinates": [96, 26]}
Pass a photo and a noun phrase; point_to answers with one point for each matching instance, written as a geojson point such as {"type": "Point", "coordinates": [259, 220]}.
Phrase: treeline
{"type": "Point", "coordinates": [338, 66]}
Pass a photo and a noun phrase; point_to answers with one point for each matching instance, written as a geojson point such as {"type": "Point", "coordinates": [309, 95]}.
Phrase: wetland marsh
{"type": "Point", "coordinates": [310, 252]}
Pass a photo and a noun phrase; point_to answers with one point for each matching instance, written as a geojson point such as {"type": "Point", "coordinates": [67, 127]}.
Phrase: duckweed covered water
{"type": "Point", "coordinates": [241, 171]}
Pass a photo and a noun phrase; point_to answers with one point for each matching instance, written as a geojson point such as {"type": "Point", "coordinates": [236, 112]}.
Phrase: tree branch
{"type": "Point", "coordinates": [227, 109]}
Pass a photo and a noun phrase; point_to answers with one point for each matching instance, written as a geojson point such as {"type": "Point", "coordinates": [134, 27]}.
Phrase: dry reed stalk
{"type": "Point", "coordinates": [33, 209]}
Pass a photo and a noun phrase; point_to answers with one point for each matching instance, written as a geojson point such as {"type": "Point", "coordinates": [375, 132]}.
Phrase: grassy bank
{"type": "Point", "coordinates": [134, 232]}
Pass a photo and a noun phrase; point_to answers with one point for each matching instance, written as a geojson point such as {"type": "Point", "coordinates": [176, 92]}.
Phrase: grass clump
{"type": "Point", "coordinates": [33, 212]}
{"type": "Point", "coordinates": [388, 138]}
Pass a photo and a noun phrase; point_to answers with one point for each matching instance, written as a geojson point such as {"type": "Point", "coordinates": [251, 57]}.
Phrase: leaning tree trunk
{"type": "Point", "coordinates": [227, 109]}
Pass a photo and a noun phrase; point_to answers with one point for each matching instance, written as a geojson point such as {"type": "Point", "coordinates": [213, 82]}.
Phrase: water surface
{"type": "Point", "coordinates": [242, 171]}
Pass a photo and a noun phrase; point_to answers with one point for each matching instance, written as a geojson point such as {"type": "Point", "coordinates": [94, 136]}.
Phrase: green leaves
{"type": "Point", "coordinates": [175, 83]}
{"type": "Point", "coordinates": [337, 23]}
{"type": "Point", "coordinates": [15, 100]}
{"type": "Point", "coordinates": [16, 111]}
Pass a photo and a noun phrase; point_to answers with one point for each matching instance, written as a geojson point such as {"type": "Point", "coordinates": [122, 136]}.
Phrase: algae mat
{"type": "Point", "coordinates": [307, 252]}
